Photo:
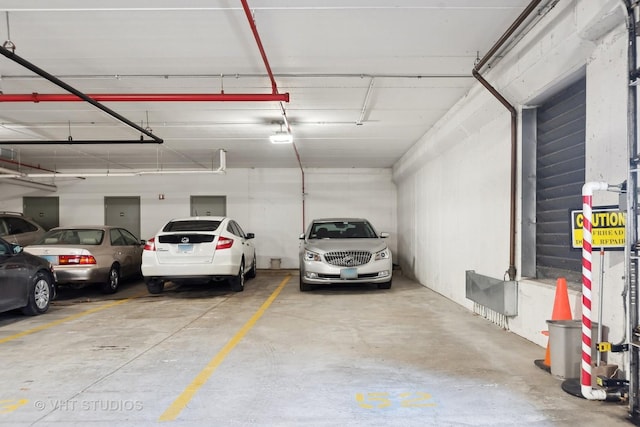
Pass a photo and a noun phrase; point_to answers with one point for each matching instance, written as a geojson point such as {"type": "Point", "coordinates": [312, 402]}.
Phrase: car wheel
{"type": "Point", "coordinates": [155, 286]}
{"type": "Point", "coordinates": [252, 273]}
{"type": "Point", "coordinates": [113, 281]}
{"type": "Point", "coordinates": [237, 282]}
{"type": "Point", "coordinates": [39, 295]}
{"type": "Point", "coordinates": [385, 285]}
{"type": "Point", "coordinates": [304, 287]}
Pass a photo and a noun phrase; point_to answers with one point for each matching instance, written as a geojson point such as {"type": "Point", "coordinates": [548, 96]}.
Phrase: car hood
{"type": "Point", "coordinates": [329, 245]}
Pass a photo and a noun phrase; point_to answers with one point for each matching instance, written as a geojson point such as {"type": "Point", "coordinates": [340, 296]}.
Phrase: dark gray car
{"type": "Point", "coordinates": [27, 282]}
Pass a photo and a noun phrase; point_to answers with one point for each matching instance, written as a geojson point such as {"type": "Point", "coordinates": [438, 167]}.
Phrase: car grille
{"type": "Point", "coordinates": [348, 258]}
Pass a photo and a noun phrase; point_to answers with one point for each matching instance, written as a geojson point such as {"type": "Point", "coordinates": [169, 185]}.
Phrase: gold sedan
{"type": "Point", "coordinates": [94, 254]}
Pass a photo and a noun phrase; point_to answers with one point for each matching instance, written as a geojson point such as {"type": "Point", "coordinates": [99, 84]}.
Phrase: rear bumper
{"type": "Point", "coordinates": [76, 274]}
{"type": "Point", "coordinates": [152, 270]}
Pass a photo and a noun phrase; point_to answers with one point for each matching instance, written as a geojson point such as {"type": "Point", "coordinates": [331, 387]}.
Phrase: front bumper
{"type": "Point", "coordinates": [319, 273]}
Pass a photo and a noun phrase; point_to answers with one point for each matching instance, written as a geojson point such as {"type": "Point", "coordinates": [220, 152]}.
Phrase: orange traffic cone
{"type": "Point", "coordinates": [561, 311]}
{"type": "Point", "coordinates": [561, 308]}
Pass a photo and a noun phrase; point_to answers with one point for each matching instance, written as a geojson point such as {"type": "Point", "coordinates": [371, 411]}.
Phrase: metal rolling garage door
{"type": "Point", "coordinates": [560, 174]}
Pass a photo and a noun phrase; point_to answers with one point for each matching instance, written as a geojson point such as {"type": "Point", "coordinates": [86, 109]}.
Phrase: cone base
{"type": "Point", "coordinates": [540, 364]}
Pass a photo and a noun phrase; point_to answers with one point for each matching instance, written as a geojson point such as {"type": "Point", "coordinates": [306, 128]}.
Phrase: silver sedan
{"type": "Point", "coordinates": [93, 254]}
{"type": "Point", "coordinates": [344, 250]}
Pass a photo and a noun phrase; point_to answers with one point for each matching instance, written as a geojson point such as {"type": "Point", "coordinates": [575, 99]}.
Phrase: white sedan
{"type": "Point", "coordinates": [199, 249]}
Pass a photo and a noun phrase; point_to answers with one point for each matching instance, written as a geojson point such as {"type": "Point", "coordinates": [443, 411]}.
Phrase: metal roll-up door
{"type": "Point", "coordinates": [560, 174]}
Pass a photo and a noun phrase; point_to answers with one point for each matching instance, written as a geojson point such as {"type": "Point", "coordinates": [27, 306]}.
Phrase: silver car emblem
{"type": "Point", "coordinates": [185, 240]}
{"type": "Point", "coordinates": [347, 260]}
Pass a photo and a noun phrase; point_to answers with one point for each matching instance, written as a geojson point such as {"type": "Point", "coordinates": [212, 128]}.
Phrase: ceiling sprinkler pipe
{"type": "Point", "coordinates": [585, 378]}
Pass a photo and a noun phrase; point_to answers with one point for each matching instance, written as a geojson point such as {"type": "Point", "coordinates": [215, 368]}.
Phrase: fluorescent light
{"type": "Point", "coordinates": [281, 137]}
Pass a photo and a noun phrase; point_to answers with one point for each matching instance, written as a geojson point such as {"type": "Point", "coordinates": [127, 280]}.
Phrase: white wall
{"type": "Point", "coordinates": [453, 185]}
{"type": "Point", "coordinates": [267, 202]}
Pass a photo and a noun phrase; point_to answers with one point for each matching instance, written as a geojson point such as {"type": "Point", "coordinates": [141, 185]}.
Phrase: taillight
{"type": "Point", "coordinates": [76, 260]}
{"type": "Point", "coordinates": [150, 245]}
{"type": "Point", "coordinates": [224, 243]}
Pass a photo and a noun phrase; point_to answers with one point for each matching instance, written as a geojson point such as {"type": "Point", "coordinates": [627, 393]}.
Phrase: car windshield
{"type": "Point", "coordinates": [192, 225]}
{"type": "Point", "coordinates": [72, 236]}
{"type": "Point", "coordinates": [342, 230]}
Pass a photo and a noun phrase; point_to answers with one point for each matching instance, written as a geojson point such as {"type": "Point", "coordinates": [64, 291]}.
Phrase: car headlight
{"type": "Point", "coordinates": [311, 256]}
{"type": "Point", "coordinates": [383, 254]}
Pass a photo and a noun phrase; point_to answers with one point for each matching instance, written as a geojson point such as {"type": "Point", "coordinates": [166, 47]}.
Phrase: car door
{"type": "Point", "coordinates": [127, 254]}
{"type": "Point", "coordinates": [13, 280]}
{"type": "Point", "coordinates": [134, 251]}
{"type": "Point", "coordinates": [247, 246]}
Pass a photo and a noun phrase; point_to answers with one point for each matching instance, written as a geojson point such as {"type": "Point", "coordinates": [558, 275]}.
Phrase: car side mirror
{"type": "Point", "coordinates": [250, 236]}
{"type": "Point", "coordinates": [301, 236]}
{"type": "Point", "coordinates": [384, 235]}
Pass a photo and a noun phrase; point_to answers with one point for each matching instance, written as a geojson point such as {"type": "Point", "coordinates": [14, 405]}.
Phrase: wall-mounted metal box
{"type": "Point", "coordinates": [498, 295]}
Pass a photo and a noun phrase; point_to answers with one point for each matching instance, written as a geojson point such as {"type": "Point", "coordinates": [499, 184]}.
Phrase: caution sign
{"type": "Point", "coordinates": [607, 228]}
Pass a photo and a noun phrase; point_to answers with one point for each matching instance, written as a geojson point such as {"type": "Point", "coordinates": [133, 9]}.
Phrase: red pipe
{"type": "Point", "coordinates": [150, 97]}
{"type": "Point", "coordinates": [20, 164]}
{"type": "Point", "coordinates": [252, 23]}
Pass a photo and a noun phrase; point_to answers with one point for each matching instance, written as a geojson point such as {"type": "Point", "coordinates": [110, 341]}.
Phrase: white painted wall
{"type": "Point", "coordinates": [453, 185]}
{"type": "Point", "coordinates": [267, 202]}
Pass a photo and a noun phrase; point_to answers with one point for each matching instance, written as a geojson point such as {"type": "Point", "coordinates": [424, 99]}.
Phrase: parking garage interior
{"type": "Point", "coordinates": [467, 132]}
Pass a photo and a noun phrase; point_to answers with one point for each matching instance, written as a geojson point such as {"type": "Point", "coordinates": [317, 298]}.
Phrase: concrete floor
{"type": "Point", "coordinates": [273, 356]}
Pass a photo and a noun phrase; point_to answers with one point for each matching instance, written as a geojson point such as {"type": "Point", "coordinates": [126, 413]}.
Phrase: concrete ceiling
{"type": "Point", "coordinates": [366, 78]}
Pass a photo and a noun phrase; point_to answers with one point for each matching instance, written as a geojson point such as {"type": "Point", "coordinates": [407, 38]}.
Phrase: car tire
{"type": "Point", "coordinates": [385, 285]}
{"type": "Point", "coordinates": [155, 286]}
{"type": "Point", "coordinates": [40, 294]}
{"type": "Point", "coordinates": [252, 273]}
{"type": "Point", "coordinates": [237, 282]}
{"type": "Point", "coordinates": [113, 281]}
{"type": "Point", "coordinates": [304, 287]}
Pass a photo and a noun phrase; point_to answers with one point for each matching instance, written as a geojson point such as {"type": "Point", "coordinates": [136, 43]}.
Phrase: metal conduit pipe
{"type": "Point", "coordinates": [148, 97]}
{"type": "Point", "coordinates": [514, 127]}
{"type": "Point", "coordinates": [11, 174]}
{"type": "Point", "coordinates": [631, 276]}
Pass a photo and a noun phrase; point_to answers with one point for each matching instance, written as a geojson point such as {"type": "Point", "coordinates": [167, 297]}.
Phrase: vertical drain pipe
{"type": "Point", "coordinates": [303, 190]}
{"type": "Point", "coordinates": [514, 158]}
{"type": "Point", "coordinates": [514, 128]}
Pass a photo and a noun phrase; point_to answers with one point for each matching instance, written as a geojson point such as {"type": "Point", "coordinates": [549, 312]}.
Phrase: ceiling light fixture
{"type": "Point", "coordinates": [281, 137]}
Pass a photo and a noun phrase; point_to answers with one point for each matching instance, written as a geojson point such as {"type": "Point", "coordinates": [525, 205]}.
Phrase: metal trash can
{"type": "Point", "coordinates": [565, 346]}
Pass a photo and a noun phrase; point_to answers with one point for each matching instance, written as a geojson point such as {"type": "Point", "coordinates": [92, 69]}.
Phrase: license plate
{"type": "Point", "coordinates": [185, 249]}
{"type": "Point", "coordinates": [349, 273]}
{"type": "Point", "coordinates": [53, 259]}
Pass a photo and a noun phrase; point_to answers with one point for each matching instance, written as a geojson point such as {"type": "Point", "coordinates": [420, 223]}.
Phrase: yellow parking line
{"type": "Point", "coordinates": [181, 401]}
{"type": "Point", "coordinates": [66, 319]}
